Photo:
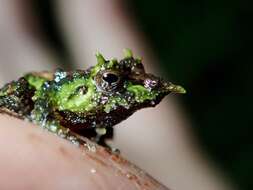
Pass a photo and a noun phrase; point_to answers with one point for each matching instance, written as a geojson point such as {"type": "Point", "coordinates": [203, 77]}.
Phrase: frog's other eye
{"type": "Point", "coordinates": [108, 80]}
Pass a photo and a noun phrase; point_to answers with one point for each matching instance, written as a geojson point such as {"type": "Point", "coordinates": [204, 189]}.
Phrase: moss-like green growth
{"type": "Point", "coordinates": [9, 88]}
{"type": "Point", "coordinates": [35, 80]}
{"type": "Point", "coordinates": [76, 96]}
{"type": "Point", "coordinates": [100, 64]}
{"type": "Point", "coordinates": [115, 102]}
{"type": "Point", "coordinates": [127, 53]}
{"type": "Point", "coordinates": [141, 93]}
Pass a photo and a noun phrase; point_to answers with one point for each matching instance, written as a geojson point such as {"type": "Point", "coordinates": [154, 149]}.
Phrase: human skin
{"type": "Point", "coordinates": [35, 159]}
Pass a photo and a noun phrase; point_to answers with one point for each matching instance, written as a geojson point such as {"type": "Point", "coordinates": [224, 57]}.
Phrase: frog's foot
{"type": "Point", "coordinates": [103, 134]}
{"type": "Point", "coordinates": [101, 141]}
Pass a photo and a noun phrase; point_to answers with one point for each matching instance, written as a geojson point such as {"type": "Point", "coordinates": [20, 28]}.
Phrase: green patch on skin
{"type": "Point", "coordinates": [9, 88]}
{"type": "Point", "coordinates": [112, 63]}
{"type": "Point", "coordinates": [35, 81]}
{"type": "Point", "coordinates": [68, 98]}
{"type": "Point", "coordinates": [100, 64]}
{"type": "Point", "coordinates": [141, 93]}
{"type": "Point", "coordinates": [3, 91]}
{"type": "Point", "coordinates": [138, 60]}
{"type": "Point", "coordinates": [114, 102]}
{"type": "Point", "coordinates": [127, 53]}
{"type": "Point", "coordinates": [38, 93]}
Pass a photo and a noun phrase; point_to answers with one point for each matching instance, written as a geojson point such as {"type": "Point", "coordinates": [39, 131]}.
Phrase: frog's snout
{"type": "Point", "coordinates": [174, 88]}
{"type": "Point", "coordinates": [152, 82]}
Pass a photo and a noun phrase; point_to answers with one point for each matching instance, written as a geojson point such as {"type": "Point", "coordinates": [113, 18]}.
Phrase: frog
{"type": "Point", "coordinates": [85, 103]}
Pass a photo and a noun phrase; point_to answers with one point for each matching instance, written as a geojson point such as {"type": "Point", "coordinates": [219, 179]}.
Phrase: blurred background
{"type": "Point", "coordinates": [205, 45]}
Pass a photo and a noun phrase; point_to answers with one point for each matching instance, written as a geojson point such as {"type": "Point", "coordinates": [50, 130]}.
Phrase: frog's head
{"type": "Point", "coordinates": [109, 92]}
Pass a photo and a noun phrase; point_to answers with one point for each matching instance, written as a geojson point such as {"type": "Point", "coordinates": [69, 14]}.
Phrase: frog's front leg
{"type": "Point", "coordinates": [65, 133]}
{"type": "Point", "coordinates": [97, 134]}
{"type": "Point", "coordinates": [45, 116]}
{"type": "Point", "coordinates": [102, 134]}
{"type": "Point", "coordinates": [42, 115]}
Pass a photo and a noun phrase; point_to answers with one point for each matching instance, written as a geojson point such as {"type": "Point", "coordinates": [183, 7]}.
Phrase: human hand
{"type": "Point", "coordinates": [31, 158]}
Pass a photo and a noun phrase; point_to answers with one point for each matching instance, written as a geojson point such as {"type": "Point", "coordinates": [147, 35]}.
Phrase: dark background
{"type": "Point", "coordinates": [206, 46]}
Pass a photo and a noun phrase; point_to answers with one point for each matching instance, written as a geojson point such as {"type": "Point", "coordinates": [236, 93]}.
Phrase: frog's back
{"type": "Point", "coordinates": [16, 96]}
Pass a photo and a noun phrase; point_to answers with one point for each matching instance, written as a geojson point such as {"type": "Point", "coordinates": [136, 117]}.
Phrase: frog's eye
{"type": "Point", "coordinates": [108, 80]}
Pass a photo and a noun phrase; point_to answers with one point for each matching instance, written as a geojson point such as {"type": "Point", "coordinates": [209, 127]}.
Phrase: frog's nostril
{"type": "Point", "coordinates": [150, 83]}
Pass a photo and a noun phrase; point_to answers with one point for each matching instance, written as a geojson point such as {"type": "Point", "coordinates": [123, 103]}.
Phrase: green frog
{"type": "Point", "coordinates": [85, 103]}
